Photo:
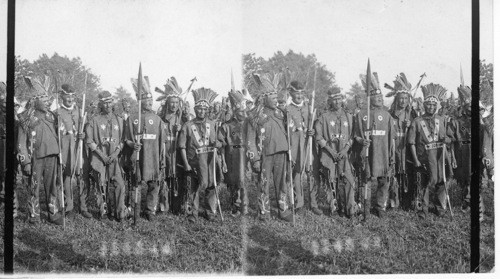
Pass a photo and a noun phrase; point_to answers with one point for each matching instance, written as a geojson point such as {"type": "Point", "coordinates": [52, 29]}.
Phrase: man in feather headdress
{"type": "Point", "coordinates": [426, 137]}
{"type": "Point", "coordinates": [334, 137]}
{"type": "Point", "coordinates": [268, 147]}
{"type": "Point", "coordinates": [150, 146]}
{"type": "Point", "coordinates": [233, 136]}
{"type": "Point", "coordinates": [197, 140]}
{"type": "Point", "coordinates": [379, 140]}
{"type": "Point", "coordinates": [402, 112]}
{"type": "Point", "coordinates": [70, 120]}
{"type": "Point", "coordinates": [38, 150]}
{"type": "Point", "coordinates": [104, 138]}
{"type": "Point", "coordinates": [170, 197]}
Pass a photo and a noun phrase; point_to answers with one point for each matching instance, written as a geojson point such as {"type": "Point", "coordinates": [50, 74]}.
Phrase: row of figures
{"type": "Point", "coordinates": [403, 154]}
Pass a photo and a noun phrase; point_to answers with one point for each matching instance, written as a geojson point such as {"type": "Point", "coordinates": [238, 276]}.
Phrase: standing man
{"type": "Point", "coordinates": [298, 111]}
{"type": "Point", "coordinates": [196, 143]}
{"type": "Point", "coordinates": [186, 112]}
{"type": "Point", "coordinates": [39, 149]}
{"type": "Point", "coordinates": [170, 196]}
{"type": "Point", "coordinates": [104, 137]}
{"type": "Point", "coordinates": [462, 145]}
{"type": "Point", "coordinates": [70, 119]}
{"type": "Point", "coordinates": [403, 115]}
{"type": "Point", "coordinates": [360, 103]}
{"type": "Point", "coordinates": [379, 139]}
{"type": "Point", "coordinates": [268, 148]}
{"type": "Point", "coordinates": [149, 144]}
{"type": "Point", "coordinates": [426, 137]}
{"type": "Point", "coordinates": [216, 112]}
{"type": "Point", "coordinates": [334, 137]}
{"type": "Point", "coordinates": [234, 140]}
{"type": "Point", "coordinates": [126, 109]}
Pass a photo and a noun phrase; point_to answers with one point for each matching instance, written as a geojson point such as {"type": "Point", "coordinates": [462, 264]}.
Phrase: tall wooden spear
{"type": "Point", "coordinates": [138, 140]}
{"type": "Point", "coordinates": [367, 133]}
{"type": "Point", "coordinates": [60, 156]}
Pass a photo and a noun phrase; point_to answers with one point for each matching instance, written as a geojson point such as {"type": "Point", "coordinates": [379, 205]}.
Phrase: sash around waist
{"type": "Point", "coordinates": [205, 149]}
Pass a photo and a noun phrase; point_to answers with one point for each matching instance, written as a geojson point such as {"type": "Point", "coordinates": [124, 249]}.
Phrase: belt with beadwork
{"type": "Point", "coordinates": [434, 145]}
{"type": "Point", "coordinates": [104, 140]}
{"type": "Point", "coordinates": [205, 149]}
{"type": "Point", "coordinates": [375, 133]}
{"type": "Point", "coordinates": [337, 136]}
{"type": "Point", "coordinates": [147, 136]}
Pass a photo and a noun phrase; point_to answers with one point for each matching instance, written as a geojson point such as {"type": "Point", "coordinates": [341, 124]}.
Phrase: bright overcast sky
{"type": "Point", "coordinates": [206, 38]}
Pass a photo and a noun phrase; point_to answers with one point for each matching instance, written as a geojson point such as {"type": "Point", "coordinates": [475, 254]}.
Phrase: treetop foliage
{"type": "Point", "coordinates": [293, 66]}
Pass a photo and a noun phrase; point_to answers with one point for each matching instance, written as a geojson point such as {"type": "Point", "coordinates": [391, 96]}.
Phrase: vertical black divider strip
{"type": "Point", "coordinates": [10, 155]}
{"type": "Point", "coordinates": [475, 146]}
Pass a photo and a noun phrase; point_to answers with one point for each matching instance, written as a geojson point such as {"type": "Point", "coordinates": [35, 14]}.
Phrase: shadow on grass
{"type": "Point", "coordinates": [276, 255]}
{"type": "Point", "coordinates": [43, 254]}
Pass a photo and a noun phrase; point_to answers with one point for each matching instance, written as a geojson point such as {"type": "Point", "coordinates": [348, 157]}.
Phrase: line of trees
{"type": "Point", "coordinates": [293, 65]}
{"type": "Point", "coordinates": [65, 70]}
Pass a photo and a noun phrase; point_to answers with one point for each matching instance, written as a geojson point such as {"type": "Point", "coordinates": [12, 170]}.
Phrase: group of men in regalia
{"type": "Point", "coordinates": [406, 156]}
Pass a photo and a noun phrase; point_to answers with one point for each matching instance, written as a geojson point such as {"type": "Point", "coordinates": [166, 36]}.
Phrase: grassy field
{"type": "Point", "coordinates": [401, 243]}
{"type": "Point", "coordinates": [168, 244]}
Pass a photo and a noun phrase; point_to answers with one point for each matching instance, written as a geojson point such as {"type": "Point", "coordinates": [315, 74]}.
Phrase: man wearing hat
{"type": "Point", "coordinates": [104, 138]}
{"type": "Point", "coordinates": [197, 140]}
{"type": "Point", "coordinates": [403, 113]}
{"type": "Point", "coordinates": [298, 111]}
{"type": "Point", "coordinates": [234, 140]}
{"type": "Point", "coordinates": [70, 119]}
{"type": "Point", "coordinates": [147, 139]}
{"type": "Point", "coordinates": [378, 136]}
{"type": "Point", "coordinates": [170, 194]}
{"type": "Point", "coordinates": [427, 136]}
{"type": "Point", "coordinates": [268, 147]}
{"type": "Point", "coordinates": [334, 137]}
{"type": "Point", "coordinates": [39, 149]}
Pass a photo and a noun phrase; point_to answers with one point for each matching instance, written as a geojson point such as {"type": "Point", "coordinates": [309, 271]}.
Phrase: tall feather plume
{"type": "Point", "coordinates": [363, 80]}
{"type": "Point", "coordinates": [389, 87]}
{"type": "Point", "coordinates": [172, 87]}
{"type": "Point", "coordinates": [404, 82]}
{"type": "Point", "coordinates": [39, 87]}
{"type": "Point", "coordinates": [374, 81]}
{"type": "Point", "coordinates": [145, 86]}
{"type": "Point", "coordinates": [159, 91]}
{"type": "Point", "coordinates": [435, 90]}
{"type": "Point", "coordinates": [204, 94]}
